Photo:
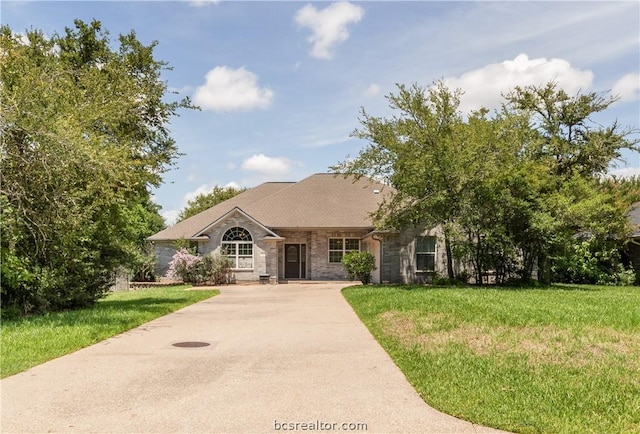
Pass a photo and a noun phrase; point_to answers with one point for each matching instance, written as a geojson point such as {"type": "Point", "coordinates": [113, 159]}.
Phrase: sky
{"type": "Point", "coordinates": [281, 84]}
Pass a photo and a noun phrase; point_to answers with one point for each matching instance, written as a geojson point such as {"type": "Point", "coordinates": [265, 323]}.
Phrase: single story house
{"type": "Point", "coordinates": [633, 246]}
{"type": "Point", "coordinates": [301, 230]}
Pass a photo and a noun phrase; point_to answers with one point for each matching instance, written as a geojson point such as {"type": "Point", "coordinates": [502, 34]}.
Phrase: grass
{"type": "Point", "coordinates": [30, 341]}
{"type": "Point", "coordinates": [559, 360]}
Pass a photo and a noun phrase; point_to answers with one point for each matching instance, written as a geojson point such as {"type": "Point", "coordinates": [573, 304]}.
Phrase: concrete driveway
{"type": "Point", "coordinates": [289, 357]}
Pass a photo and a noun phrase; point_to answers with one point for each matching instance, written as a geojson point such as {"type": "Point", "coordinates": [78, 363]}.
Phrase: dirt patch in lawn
{"type": "Point", "coordinates": [540, 345]}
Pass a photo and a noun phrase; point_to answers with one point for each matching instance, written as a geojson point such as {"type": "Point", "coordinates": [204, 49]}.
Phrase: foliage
{"type": "Point", "coordinates": [561, 359]}
{"type": "Point", "coordinates": [83, 137]}
{"type": "Point", "coordinates": [216, 269]}
{"type": "Point", "coordinates": [196, 269]}
{"type": "Point", "coordinates": [183, 243]}
{"type": "Point", "coordinates": [510, 189]}
{"type": "Point", "coordinates": [359, 265]}
{"type": "Point", "coordinates": [30, 340]}
{"type": "Point", "coordinates": [627, 189]}
{"type": "Point", "coordinates": [204, 201]}
{"type": "Point", "coordinates": [183, 266]}
{"type": "Point", "coordinates": [593, 262]}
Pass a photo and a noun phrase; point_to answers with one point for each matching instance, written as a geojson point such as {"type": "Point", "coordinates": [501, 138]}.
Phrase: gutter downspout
{"type": "Point", "coordinates": [379, 240]}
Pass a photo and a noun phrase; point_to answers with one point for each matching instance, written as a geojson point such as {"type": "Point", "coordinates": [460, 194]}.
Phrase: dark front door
{"type": "Point", "coordinates": [295, 261]}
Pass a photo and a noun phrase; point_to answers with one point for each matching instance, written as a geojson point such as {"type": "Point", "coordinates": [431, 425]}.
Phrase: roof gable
{"type": "Point", "coordinates": [319, 201]}
{"type": "Point", "coordinates": [235, 210]}
{"type": "Point", "coordinates": [189, 228]}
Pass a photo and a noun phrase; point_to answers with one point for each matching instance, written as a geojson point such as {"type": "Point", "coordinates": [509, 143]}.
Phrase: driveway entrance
{"type": "Point", "coordinates": [254, 359]}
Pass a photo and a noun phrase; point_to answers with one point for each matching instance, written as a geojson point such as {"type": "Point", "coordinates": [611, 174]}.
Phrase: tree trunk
{"type": "Point", "coordinates": [447, 247]}
{"type": "Point", "coordinates": [544, 272]}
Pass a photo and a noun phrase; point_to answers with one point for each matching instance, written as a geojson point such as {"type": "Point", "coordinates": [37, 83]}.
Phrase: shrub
{"type": "Point", "coordinates": [592, 262]}
{"type": "Point", "coordinates": [195, 269]}
{"type": "Point", "coordinates": [183, 266]}
{"type": "Point", "coordinates": [215, 269]}
{"type": "Point", "coordinates": [359, 265]}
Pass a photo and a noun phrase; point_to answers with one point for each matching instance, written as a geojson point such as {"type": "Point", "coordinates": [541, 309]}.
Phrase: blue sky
{"type": "Point", "coordinates": [281, 83]}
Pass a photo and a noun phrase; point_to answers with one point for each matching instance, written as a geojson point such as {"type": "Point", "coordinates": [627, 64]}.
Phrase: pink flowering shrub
{"type": "Point", "coordinates": [199, 269]}
{"type": "Point", "coordinates": [184, 266]}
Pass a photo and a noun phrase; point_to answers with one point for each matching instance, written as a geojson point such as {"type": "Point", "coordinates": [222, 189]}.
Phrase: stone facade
{"type": "Point", "coordinates": [398, 256]}
{"type": "Point", "coordinates": [317, 250]}
{"type": "Point", "coordinates": [164, 251]}
{"type": "Point", "coordinates": [395, 252]}
{"type": "Point", "coordinates": [261, 248]}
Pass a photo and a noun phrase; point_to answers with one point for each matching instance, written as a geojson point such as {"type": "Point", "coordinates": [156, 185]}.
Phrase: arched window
{"type": "Point", "coordinates": [237, 245]}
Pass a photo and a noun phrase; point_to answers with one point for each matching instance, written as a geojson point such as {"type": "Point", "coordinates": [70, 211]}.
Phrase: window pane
{"type": "Point", "coordinates": [292, 254]}
{"type": "Point", "coordinates": [228, 249]}
{"type": "Point", "coordinates": [335, 244]}
{"type": "Point", "coordinates": [426, 262]}
{"type": "Point", "coordinates": [335, 256]}
{"type": "Point", "coordinates": [245, 249]}
{"type": "Point", "coordinates": [237, 234]}
{"type": "Point", "coordinates": [352, 244]}
{"type": "Point", "coordinates": [426, 245]}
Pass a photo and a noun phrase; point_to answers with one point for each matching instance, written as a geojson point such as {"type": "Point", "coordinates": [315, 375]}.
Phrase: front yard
{"type": "Point", "coordinates": [30, 341]}
{"type": "Point", "coordinates": [558, 360]}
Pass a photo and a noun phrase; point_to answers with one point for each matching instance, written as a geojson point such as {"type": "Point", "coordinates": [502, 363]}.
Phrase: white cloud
{"type": "Point", "coordinates": [628, 87]}
{"type": "Point", "coordinates": [372, 90]}
{"type": "Point", "coordinates": [228, 89]}
{"type": "Point", "coordinates": [170, 216]}
{"type": "Point", "coordinates": [321, 143]}
{"type": "Point", "coordinates": [484, 86]}
{"type": "Point", "coordinates": [624, 172]}
{"type": "Point", "coordinates": [232, 184]}
{"type": "Point", "coordinates": [270, 166]}
{"type": "Point", "coordinates": [328, 26]}
{"type": "Point", "coordinates": [203, 189]}
{"type": "Point", "coordinates": [201, 3]}
{"type": "Point", "coordinates": [179, 90]}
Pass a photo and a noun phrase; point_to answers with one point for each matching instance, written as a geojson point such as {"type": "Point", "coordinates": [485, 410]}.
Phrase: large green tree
{"type": "Point", "coordinates": [84, 136]}
{"type": "Point", "coordinates": [204, 201]}
{"type": "Point", "coordinates": [510, 189]}
{"type": "Point", "coordinates": [419, 153]}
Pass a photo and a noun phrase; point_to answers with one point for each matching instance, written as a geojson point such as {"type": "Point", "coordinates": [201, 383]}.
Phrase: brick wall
{"type": "Point", "coordinates": [164, 251]}
{"type": "Point", "coordinates": [317, 242]}
{"type": "Point", "coordinates": [399, 255]}
{"type": "Point", "coordinates": [397, 264]}
{"type": "Point", "coordinates": [261, 248]}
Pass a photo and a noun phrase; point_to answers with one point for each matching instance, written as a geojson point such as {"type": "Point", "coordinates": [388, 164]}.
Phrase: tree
{"type": "Point", "coordinates": [84, 135]}
{"type": "Point", "coordinates": [570, 141]}
{"type": "Point", "coordinates": [419, 153]}
{"type": "Point", "coordinates": [204, 201]}
{"type": "Point", "coordinates": [575, 151]}
{"type": "Point", "coordinates": [509, 189]}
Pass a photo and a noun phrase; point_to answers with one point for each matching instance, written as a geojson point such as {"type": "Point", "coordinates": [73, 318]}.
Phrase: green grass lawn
{"type": "Point", "coordinates": [559, 360]}
{"type": "Point", "coordinates": [30, 341]}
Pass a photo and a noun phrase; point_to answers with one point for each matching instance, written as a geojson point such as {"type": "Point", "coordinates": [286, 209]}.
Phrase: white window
{"type": "Point", "coordinates": [339, 246]}
{"type": "Point", "coordinates": [426, 253]}
{"type": "Point", "coordinates": [237, 245]}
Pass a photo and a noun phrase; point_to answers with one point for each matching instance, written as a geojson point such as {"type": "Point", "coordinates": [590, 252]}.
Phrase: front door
{"type": "Point", "coordinates": [295, 261]}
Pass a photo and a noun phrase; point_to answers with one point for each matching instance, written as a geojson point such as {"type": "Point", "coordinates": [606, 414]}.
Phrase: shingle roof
{"type": "Point", "coordinates": [320, 201]}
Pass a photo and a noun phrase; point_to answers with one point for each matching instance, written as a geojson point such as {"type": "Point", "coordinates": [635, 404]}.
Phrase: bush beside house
{"type": "Point", "coordinates": [195, 269]}
{"type": "Point", "coordinates": [359, 265]}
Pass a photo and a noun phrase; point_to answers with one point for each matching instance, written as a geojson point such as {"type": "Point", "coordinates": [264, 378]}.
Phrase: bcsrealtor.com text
{"type": "Point", "coordinates": [319, 425]}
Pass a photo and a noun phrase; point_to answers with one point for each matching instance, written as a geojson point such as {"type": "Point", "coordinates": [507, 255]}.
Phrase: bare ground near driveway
{"type": "Point", "coordinates": [278, 356]}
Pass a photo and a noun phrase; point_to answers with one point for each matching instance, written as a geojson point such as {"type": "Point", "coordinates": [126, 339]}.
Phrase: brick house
{"type": "Point", "coordinates": [301, 230]}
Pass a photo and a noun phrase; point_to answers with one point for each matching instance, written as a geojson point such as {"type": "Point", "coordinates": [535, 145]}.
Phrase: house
{"type": "Point", "coordinates": [301, 230]}
{"type": "Point", "coordinates": [632, 248]}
